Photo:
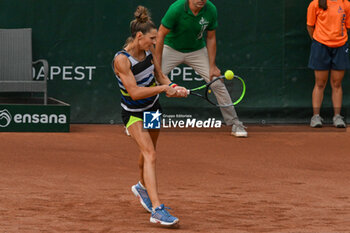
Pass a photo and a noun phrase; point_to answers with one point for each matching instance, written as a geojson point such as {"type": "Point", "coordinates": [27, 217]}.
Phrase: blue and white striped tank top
{"type": "Point", "coordinates": [143, 73]}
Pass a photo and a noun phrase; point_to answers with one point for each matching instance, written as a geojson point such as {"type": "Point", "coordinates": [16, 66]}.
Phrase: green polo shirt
{"type": "Point", "coordinates": [186, 30]}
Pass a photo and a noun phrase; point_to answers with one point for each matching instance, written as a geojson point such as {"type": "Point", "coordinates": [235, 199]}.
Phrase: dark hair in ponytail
{"type": "Point", "coordinates": [322, 4]}
{"type": "Point", "coordinates": [141, 23]}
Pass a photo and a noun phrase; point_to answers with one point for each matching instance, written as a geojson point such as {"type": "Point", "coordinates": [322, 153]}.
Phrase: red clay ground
{"type": "Point", "coordinates": [80, 181]}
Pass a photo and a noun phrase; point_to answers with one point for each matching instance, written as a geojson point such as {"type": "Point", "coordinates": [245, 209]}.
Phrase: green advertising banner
{"type": "Point", "coordinates": [29, 117]}
{"type": "Point", "coordinates": [265, 42]}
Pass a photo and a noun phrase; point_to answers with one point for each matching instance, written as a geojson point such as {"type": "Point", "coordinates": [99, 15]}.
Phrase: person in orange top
{"type": "Point", "coordinates": [327, 25]}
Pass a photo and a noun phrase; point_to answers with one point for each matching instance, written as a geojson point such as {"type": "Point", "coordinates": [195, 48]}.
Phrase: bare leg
{"type": "Point", "coordinates": [154, 135]}
{"type": "Point", "coordinates": [146, 146]}
{"type": "Point", "coordinates": [321, 77]}
{"type": "Point", "coordinates": [337, 90]}
{"type": "Point", "coordinates": [141, 161]}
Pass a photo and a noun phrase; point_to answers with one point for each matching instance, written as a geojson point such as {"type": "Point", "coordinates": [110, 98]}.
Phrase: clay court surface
{"type": "Point", "coordinates": [274, 181]}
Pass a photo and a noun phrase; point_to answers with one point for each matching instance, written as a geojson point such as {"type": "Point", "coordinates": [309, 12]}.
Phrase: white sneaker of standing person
{"type": "Point", "coordinates": [316, 121]}
{"type": "Point", "coordinates": [238, 130]}
{"type": "Point", "coordinates": [338, 121]}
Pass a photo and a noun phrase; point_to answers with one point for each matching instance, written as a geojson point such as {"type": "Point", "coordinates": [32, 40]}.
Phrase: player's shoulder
{"type": "Point", "coordinates": [122, 53]}
{"type": "Point", "coordinates": [121, 58]}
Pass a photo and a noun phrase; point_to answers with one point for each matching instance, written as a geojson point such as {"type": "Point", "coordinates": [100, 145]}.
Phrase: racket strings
{"type": "Point", "coordinates": [234, 88]}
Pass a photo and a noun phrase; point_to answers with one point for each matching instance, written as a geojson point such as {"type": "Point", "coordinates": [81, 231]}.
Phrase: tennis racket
{"type": "Point", "coordinates": [236, 88]}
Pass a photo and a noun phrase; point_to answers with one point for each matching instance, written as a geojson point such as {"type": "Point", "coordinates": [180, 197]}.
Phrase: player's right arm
{"type": "Point", "coordinates": [122, 69]}
{"type": "Point", "coordinates": [162, 32]}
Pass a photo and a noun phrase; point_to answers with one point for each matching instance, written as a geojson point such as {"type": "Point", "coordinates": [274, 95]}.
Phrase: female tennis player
{"type": "Point", "coordinates": [135, 69]}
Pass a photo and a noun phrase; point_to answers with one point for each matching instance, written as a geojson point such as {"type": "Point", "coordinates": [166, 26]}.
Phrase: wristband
{"type": "Point", "coordinates": [173, 85]}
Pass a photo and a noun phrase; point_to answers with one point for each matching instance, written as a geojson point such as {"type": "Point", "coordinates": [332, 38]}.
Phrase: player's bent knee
{"type": "Point", "coordinates": [149, 156]}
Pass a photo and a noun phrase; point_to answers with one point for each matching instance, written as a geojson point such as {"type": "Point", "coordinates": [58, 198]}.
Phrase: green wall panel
{"type": "Point", "coordinates": [265, 42]}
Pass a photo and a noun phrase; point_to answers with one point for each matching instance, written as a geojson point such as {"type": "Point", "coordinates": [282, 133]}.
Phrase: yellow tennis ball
{"type": "Point", "coordinates": [209, 91]}
{"type": "Point", "coordinates": [229, 74]}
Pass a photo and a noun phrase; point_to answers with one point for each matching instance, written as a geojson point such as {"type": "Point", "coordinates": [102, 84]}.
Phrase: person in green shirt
{"type": "Point", "coordinates": [181, 39]}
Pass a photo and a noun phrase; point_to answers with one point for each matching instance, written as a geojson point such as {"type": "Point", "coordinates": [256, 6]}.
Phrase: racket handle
{"type": "Point", "coordinates": [188, 92]}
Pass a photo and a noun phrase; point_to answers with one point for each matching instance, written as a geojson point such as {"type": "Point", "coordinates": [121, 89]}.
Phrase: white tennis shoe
{"type": "Point", "coordinates": [239, 131]}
